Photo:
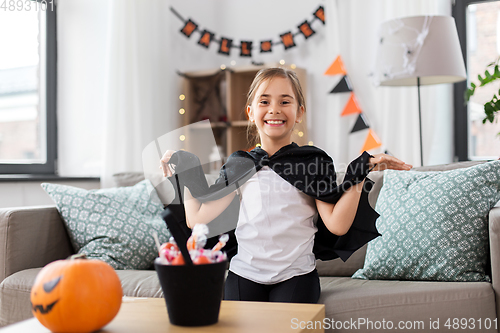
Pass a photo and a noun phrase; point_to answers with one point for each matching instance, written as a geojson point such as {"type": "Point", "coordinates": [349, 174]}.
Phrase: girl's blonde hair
{"type": "Point", "coordinates": [265, 75]}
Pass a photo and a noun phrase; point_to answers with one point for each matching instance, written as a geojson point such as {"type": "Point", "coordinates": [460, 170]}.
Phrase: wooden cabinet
{"type": "Point", "coordinates": [220, 96]}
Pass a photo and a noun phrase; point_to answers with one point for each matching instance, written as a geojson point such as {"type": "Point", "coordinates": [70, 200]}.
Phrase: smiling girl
{"type": "Point", "coordinates": [278, 246]}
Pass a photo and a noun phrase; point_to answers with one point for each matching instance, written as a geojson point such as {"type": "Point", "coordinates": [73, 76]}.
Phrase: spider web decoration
{"type": "Point", "coordinates": [409, 50]}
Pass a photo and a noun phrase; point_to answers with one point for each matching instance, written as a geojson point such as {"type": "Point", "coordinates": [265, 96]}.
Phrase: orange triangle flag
{"type": "Point", "coordinates": [371, 142]}
{"type": "Point", "coordinates": [351, 107]}
{"type": "Point", "coordinates": [336, 68]}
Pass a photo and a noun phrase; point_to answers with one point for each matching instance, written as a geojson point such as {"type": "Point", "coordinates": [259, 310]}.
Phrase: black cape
{"type": "Point", "coordinates": [307, 168]}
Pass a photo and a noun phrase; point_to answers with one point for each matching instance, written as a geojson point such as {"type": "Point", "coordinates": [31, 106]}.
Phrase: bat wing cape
{"type": "Point", "coordinates": [307, 168]}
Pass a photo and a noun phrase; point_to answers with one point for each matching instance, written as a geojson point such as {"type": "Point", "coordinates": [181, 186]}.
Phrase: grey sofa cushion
{"type": "Point", "coordinates": [140, 283]}
{"type": "Point", "coordinates": [41, 228]}
{"type": "Point", "coordinates": [345, 299]}
{"type": "Point", "coordinates": [127, 178]}
{"type": "Point", "coordinates": [132, 178]}
{"type": "Point", "coordinates": [337, 267]}
{"type": "Point", "coordinates": [377, 176]}
{"type": "Point", "coordinates": [434, 225]}
{"type": "Point", "coordinates": [15, 296]}
{"type": "Point", "coordinates": [162, 185]}
{"type": "Point", "coordinates": [15, 291]}
{"type": "Point", "coordinates": [114, 225]}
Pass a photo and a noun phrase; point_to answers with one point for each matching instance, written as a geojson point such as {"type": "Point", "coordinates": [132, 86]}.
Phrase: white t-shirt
{"type": "Point", "coordinates": [275, 230]}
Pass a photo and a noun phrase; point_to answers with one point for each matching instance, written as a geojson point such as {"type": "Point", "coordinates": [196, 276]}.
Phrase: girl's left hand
{"type": "Point", "coordinates": [381, 162]}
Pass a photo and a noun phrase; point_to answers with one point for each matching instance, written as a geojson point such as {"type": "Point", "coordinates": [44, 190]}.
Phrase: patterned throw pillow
{"type": "Point", "coordinates": [434, 225]}
{"type": "Point", "coordinates": [114, 225]}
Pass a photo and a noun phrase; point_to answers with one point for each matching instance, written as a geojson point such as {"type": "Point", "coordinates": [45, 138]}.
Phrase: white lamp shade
{"type": "Point", "coordinates": [426, 47]}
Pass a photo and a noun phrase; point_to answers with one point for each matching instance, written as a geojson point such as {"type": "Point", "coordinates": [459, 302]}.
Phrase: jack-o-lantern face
{"type": "Point", "coordinates": [48, 287]}
{"type": "Point", "coordinates": [76, 295]}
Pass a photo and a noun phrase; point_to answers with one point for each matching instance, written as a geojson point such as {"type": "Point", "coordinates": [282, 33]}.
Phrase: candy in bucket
{"type": "Point", "coordinates": [170, 254]}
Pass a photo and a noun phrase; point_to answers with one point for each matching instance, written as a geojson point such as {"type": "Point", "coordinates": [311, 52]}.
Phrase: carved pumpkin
{"type": "Point", "coordinates": [76, 295]}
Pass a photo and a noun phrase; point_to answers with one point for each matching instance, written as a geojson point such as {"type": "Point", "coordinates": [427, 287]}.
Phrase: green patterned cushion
{"type": "Point", "coordinates": [114, 225]}
{"type": "Point", "coordinates": [434, 225]}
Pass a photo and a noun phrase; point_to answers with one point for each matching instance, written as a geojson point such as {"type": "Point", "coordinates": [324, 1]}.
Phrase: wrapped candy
{"type": "Point", "coordinates": [222, 242]}
{"type": "Point", "coordinates": [218, 256]}
{"type": "Point", "coordinates": [198, 237]}
{"type": "Point", "coordinates": [169, 253]}
{"type": "Point", "coordinates": [200, 257]}
{"type": "Point", "coordinates": [171, 245]}
{"type": "Point", "coordinates": [178, 260]}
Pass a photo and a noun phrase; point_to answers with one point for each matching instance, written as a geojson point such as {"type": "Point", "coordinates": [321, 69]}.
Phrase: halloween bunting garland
{"type": "Point", "coordinates": [246, 47]}
{"type": "Point", "coordinates": [352, 106]}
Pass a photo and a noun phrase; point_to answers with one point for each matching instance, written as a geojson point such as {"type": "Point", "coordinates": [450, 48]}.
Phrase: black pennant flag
{"type": "Point", "coordinates": [343, 86]}
{"type": "Point", "coordinates": [360, 124]}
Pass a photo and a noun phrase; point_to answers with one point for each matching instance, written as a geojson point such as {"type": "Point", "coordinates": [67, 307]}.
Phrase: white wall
{"type": "Point", "coordinates": [30, 193]}
{"type": "Point", "coordinates": [256, 21]}
{"type": "Point", "coordinates": [83, 27]}
{"type": "Point", "coordinates": [84, 58]}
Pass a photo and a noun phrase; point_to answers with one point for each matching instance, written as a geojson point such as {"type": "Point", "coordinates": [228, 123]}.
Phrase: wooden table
{"type": "Point", "coordinates": [150, 315]}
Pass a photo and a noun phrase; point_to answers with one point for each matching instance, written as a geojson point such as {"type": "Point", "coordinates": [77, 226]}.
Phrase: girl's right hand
{"type": "Point", "coordinates": [167, 168]}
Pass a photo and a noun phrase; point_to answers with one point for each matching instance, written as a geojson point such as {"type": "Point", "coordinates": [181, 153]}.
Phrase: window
{"type": "Point", "coordinates": [478, 25]}
{"type": "Point", "coordinates": [27, 87]}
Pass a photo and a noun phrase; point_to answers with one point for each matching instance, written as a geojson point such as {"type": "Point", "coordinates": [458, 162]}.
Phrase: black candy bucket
{"type": "Point", "coordinates": [193, 293]}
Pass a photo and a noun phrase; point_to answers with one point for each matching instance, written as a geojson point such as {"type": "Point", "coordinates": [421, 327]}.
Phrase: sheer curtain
{"type": "Point", "coordinates": [140, 84]}
{"type": "Point", "coordinates": [392, 112]}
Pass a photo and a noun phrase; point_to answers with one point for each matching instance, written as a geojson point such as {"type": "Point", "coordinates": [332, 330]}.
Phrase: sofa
{"type": "Point", "coordinates": [32, 237]}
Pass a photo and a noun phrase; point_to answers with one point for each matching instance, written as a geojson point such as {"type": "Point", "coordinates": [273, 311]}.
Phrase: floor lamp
{"type": "Point", "coordinates": [419, 50]}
